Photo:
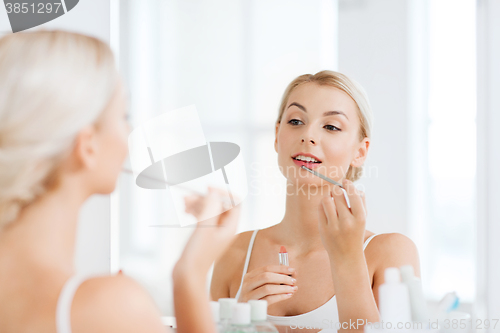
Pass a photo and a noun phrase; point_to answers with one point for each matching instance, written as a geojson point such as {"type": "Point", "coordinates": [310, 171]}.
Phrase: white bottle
{"type": "Point", "coordinates": [394, 299]}
{"type": "Point", "coordinates": [241, 321]}
{"type": "Point", "coordinates": [258, 309]}
{"type": "Point", "coordinates": [419, 310]}
{"type": "Point", "coordinates": [215, 308]}
{"type": "Point", "coordinates": [226, 311]}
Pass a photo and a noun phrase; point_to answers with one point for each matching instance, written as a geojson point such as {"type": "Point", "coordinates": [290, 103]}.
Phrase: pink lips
{"type": "Point", "coordinates": [309, 165]}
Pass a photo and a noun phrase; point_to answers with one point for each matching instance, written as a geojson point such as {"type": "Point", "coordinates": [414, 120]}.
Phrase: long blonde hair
{"type": "Point", "coordinates": [350, 87]}
{"type": "Point", "coordinates": [52, 84]}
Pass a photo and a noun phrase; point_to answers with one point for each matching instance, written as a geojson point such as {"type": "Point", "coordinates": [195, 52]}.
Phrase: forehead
{"type": "Point", "coordinates": [320, 98]}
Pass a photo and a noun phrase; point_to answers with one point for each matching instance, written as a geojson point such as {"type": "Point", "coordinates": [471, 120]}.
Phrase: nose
{"type": "Point", "coordinates": [309, 140]}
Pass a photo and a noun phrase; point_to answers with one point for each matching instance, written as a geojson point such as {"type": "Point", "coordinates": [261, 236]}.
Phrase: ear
{"type": "Point", "coordinates": [86, 148]}
{"type": "Point", "coordinates": [276, 137]}
{"type": "Point", "coordinates": [361, 153]}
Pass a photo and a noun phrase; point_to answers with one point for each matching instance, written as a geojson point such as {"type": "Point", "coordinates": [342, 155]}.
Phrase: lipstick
{"type": "Point", "coordinates": [283, 256]}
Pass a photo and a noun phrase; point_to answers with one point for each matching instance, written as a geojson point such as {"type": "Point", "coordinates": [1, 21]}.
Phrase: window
{"type": "Point", "coordinates": [452, 149]}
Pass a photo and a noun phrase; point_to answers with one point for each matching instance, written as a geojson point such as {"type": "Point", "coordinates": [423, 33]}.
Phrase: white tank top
{"type": "Point", "coordinates": [315, 318]}
{"type": "Point", "coordinates": [63, 310]}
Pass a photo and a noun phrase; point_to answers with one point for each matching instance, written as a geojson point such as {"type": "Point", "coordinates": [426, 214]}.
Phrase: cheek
{"type": "Point", "coordinates": [122, 141]}
{"type": "Point", "coordinates": [339, 156]}
{"type": "Point", "coordinates": [117, 149]}
{"type": "Point", "coordinates": [285, 143]}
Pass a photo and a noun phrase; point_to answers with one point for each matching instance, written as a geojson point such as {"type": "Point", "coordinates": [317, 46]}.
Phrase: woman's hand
{"type": "Point", "coordinates": [342, 229]}
{"type": "Point", "coordinates": [213, 233]}
{"type": "Point", "coordinates": [209, 240]}
{"type": "Point", "coordinates": [271, 283]}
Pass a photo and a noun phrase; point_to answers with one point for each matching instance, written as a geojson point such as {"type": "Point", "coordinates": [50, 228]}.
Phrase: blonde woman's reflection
{"type": "Point", "coordinates": [63, 137]}
{"type": "Point", "coordinates": [336, 266]}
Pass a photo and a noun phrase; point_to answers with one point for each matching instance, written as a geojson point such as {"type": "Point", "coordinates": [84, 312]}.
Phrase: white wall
{"type": "Point", "coordinates": [90, 17]}
{"type": "Point", "coordinates": [488, 159]}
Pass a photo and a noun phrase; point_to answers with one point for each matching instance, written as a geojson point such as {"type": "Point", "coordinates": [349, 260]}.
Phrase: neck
{"type": "Point", "coordinates": [299, 226]}
{"type": "Point", "coordinates": [45, 231]}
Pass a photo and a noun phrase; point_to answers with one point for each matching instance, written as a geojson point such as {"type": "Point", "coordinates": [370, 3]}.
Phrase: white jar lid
{"type": "Point", "coordinates": [258, 310]}
{"type": "Point", "coordinates": [391, 275]}
{"type": "Point", "coordinates": [226, 310]}
{"type": "Point", "coordinates": [241, 314]}
{"type": "Point", "coordinates": [215, 307]}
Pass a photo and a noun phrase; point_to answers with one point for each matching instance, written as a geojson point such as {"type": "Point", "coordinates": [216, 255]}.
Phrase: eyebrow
{"type": "Point", "coordinates": [327, 113]}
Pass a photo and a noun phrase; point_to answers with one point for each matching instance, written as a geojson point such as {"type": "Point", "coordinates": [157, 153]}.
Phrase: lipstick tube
{"type": "Point", "coordinates": [283, 256]}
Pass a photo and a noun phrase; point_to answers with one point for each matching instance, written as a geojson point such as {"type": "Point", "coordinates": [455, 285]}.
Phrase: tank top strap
{"type": "Point", "coordinates": [368, 241]}
{"type": "Point", "coordinates": [63, 310]}
{"type": "Point", "coordinates": [247, 261]}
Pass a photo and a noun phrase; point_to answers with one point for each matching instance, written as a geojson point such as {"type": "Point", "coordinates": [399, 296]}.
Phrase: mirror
{"type": "Point", "coordinates": [233, 60]}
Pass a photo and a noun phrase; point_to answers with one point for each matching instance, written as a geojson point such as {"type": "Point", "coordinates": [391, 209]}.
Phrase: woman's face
{"type": "Point", "coordinates": [321, 121]}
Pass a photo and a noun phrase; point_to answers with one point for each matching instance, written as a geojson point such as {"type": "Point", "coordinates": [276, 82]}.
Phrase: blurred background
{"type": "Point", "coordinates": [233, 59]}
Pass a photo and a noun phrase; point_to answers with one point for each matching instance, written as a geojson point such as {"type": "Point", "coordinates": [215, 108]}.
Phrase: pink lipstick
{"type": "Point", "coordinates": [283, 256]}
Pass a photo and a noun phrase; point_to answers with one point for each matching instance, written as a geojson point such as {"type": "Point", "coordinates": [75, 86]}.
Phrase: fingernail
{"type": "Point", "coordinates": [295, 288]}
{"type": "Point", "coordinates": [291, 269]}
{"type": "Point", "coordinates": [293, 280]}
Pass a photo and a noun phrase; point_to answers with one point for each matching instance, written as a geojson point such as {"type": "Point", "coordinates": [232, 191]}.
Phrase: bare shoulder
{"type": "Point", "coordinates": [227, 267]}
{"type": "Point", "coordinates": [391, 250]}
{"type": "Point", "coordinates": [242, 240]}
{"type": "Point", "coordinates": [237, 250]}
{"type": "Point", "coordinates": [394, 250]}
{"type": "Point", "coordinates": [114, 304]}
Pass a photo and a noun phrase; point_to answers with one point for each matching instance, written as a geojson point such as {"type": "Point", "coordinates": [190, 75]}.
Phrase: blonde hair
{"type": "Point", "coordinates": [350, 87]}
{"type": "Point", "coordinates": [52, 84]}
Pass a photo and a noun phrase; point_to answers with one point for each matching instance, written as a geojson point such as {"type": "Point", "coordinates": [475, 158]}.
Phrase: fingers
{"type": "Point", "coordinates": [279, 269]}
{"type": "Point", "coordinates": [268, 280]}
{"type": "Point", "coordinates": [271, 289]}
{"type": "Point", "coordinates": [227, 198]}
{"type": "Point", "coordinates": [340, 202]}
{"type": "Point", "coordinates": [322, 219]}
{"type": "Point", "coordinates": [271, 299]}
{"type": "Point", "coordinates": [355, 200]}
{"type": "Point", "coordinates": [206, 207]}
{"type": "Point", "coordinates": [363, 197]}
{"type": "Point", "coordinates": [328, 209]}
{"type": "Point", "coordinates": [254, 282]}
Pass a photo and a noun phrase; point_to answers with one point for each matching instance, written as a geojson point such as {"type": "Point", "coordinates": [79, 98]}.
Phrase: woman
{"type": "Point", "coordinates": [333, 276]}
{"type": "Point", "coordinates": [63, 133]}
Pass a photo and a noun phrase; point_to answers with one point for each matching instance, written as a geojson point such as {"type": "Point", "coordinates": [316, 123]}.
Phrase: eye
{"type": "Point", "coordinates": [292, 122]}
{"type": "Point", "coordinates": [332, 128]}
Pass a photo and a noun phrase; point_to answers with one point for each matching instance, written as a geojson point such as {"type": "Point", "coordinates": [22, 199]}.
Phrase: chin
{"type": "Point", "coordinates": [107, 186]}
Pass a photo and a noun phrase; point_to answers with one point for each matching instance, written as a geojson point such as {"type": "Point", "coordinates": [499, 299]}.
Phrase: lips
{"type": "Point", "coordinates": [310, 165]}
{"type": "Point", "coordinates": [306, 154]}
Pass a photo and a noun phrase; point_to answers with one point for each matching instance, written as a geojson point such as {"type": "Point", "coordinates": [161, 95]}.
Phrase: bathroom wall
{"type": "Point", "coordinates": [488, 159]}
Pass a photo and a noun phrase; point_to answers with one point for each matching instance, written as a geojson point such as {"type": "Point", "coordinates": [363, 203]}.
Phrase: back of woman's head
{"type": "Point", "coordinates": [52, 84]}
{"type": "Point", "coordinates": [351, 88]}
